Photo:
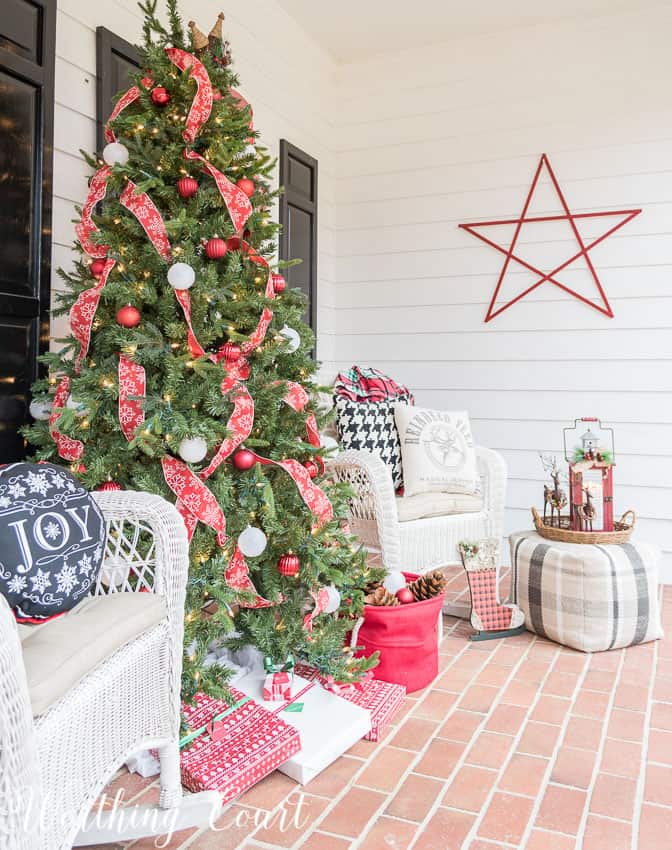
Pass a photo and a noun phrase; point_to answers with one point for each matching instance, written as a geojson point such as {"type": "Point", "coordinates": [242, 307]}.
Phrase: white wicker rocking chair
{"type": "Point", "coordinates": [54, 766]}
{"type": "Point", "coordinates": [417, 545]}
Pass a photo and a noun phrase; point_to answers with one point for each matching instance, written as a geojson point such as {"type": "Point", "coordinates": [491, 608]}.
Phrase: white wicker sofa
{"type": "Point", "coordinates": [417, 545]}
{"type": "Point", "coordinates": [81, 693]}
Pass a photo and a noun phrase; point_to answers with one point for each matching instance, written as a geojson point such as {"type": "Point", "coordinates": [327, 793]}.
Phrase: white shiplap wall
{"type": "Point", "coordinates": [434, 137]}
{"type": "Point", "coordinates": [285, 76]}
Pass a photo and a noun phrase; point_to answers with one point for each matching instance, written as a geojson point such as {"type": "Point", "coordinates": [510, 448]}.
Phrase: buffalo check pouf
{"type": "Point", "coordinates": [590, 598]}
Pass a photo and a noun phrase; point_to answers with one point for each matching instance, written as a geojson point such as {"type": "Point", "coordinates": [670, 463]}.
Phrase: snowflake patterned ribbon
{"type": "Point", "coordinates": [202, 103]}
{"type": "Point", "coordinates": [131, 383]}
{"type": "Point", "coordinates": [68, 448]}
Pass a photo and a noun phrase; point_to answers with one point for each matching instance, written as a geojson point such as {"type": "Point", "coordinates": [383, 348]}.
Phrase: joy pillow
{"type": "Point", "coordinates": [52, 537]}
{"type": "Point", "coordinates": [437, 450]}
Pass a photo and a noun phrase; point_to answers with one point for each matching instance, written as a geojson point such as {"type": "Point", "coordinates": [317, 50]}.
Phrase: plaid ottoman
{"type": "Point", "coordinates": [587, 597]}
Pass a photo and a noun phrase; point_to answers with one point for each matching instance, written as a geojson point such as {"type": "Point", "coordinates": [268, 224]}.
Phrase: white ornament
{"type": "Point", "coordinates": [115, 154]}
{"type": "Point", "coordinates": [74, 404]}
{"type": "Point", "coordinates": [394, 581]}
{"type": "Point", "coordinates": [40, 409]}
{"type": "Point", "coordinates": [193, 449]}
{"type": "Point", "coordinates": [291, 336]}
{"type": "Point", "coordinates": [334, 599]}
{"type": "Point", "coordinates": [115, 571]}
{"type": "Point", "coordinates": [328, 442]}
{"type": "Point", "coordinates": [181, 276]}
{"type": "Point", "coordinates": [252, 541]}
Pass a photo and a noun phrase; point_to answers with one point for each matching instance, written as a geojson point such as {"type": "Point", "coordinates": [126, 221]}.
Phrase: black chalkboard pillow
{"type": "Point", "coordinates": [52, 539]}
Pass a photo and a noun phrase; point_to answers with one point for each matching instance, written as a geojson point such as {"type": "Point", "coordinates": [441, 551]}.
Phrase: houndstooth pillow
{"type": "Point", "coordinates": [371, 426]}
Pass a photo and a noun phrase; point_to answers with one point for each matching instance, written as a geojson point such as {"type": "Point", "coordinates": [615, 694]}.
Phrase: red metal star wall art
{"type": "Point", "coordinates": [584, 247]}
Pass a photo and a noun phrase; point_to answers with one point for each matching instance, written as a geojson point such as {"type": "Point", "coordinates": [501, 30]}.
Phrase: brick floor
{"type": "Point", "coordinates": [518, 744]}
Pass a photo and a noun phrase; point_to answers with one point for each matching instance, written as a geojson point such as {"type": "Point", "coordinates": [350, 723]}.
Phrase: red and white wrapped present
{"type": "Point", "coordinates": [238, 745]}
{"type": "Point", "coordinates": [381, 699]}
{"type": "Point", "coordinates": [278, 686]}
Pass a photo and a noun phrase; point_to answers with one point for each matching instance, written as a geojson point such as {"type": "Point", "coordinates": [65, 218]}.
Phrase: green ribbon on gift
{"type": "Point", "coordinates": [287, 667]}
{"type": "Point", "coordinates": [193, 735]}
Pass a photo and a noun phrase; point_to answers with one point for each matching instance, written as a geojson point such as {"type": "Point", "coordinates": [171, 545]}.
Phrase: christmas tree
{"type": "Point", "coordinates": [188, 372]}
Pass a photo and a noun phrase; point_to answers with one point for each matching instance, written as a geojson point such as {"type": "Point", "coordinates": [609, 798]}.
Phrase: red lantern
{"type": "Point", "coordinates": [160, 96]}
{"type": "Point", "coordinates": [289, 565]}
{"type": "Point", "coordinates": [128, 316]}
{"type": "Point", "coordinates": [107, 486]}
{"type": "Point", "coordinates": [246, 186]}
{"type": "Point", "coordinates": [279, 283]}
{"type": "Point", "coordinates": [97, 267]}
{"type": "Point", "coordinates": [187, 187]}
{"type": "Point", "coordinates": [591, 466]}
{"type": "Point", "coordinates": [311, 467]}
{"type": "Point", "coordinates": [215, 248]}
{"type": "Point", "coordinates": [243, 460]}
{"type": "Point", "coordinates": [230, 352]}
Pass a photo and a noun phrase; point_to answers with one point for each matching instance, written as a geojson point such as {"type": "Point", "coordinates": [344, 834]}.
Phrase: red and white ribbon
{"type": "Point", "coordinates": [68, 448]}
{"type": "Point", "coordinates": [194, 496]}
{"type": "Point", "coordinates": [143, 208]}
{"type": "Point", "coordinates": [183, 299]}
{"type": "Point", "coordinates": [321, 599]}
{"type": "Point", "coordinates": [85, 227]}
{"type": "Point", "coordinates": [125, 100]}
{"type": "Point", "coordinates": [83, 311]}
{"type": "Point", "coordinates": [239, 424]}
{"type": "Point", "coordinates": [202, 103]}
{"type": "Point", "coordinates": [237, 576]}
{"type": "Point", "coordinates": [131, 383]}
{"type": "Point", "coordinates": [237, 202]}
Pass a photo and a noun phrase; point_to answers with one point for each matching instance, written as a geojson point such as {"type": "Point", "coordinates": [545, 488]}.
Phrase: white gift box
{"type": "Point", "coordinates": [328, 725]}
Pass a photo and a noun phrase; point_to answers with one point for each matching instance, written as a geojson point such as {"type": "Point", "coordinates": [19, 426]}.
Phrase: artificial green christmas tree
{"type": "Point", "coordinates": [188, 370]}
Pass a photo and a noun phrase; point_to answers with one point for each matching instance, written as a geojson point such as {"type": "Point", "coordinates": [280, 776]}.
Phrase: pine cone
{"type": "Point", "coordinates": [380, 596]}
{"type": "Point", "coordinates": [428, 585]}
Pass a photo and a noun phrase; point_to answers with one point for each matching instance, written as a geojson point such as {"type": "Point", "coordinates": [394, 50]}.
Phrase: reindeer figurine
{"type": "Point", "coordinates": [553, 496]}
{"type": "Point", "coordinates": [586, 512]}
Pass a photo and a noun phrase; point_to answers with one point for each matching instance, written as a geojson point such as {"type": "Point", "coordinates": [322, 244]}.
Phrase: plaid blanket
{"type": "Point", "coordinates": [368, 384]}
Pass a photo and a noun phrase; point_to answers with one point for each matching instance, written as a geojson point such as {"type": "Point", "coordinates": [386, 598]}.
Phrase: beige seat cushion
{"type": "Point", "coordinates": [425, 505]}
{"type": "Point", "coordinates": [60, 652]}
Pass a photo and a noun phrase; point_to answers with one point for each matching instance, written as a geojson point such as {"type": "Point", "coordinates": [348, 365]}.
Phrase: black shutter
{"type": "Point", "coordinates": [27, 50]}
{"type": "Point", "coordinates": [115, 60]}
{"type": "Point", "coordinates": [298, 217]}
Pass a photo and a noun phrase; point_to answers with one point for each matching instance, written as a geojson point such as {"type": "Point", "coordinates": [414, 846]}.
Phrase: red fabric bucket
{"type": "Point", "coordinates": [407, 639]}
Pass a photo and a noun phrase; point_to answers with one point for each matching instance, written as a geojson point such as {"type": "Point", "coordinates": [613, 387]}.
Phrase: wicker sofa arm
{"type": "Point", "coordinates": [373, 509]}
{"type": "Point", "coordinates": [20, 786]}
{"type": "Point", "coordinates": [492, 469]}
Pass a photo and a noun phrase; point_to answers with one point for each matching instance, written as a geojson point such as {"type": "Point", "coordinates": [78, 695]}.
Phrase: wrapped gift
{"type": "Point", "coordinates": [278, 681]}
{"type": "Point", "coordinates": [328, 724]}
{"type": "Point", "coordinates": [277, 686]}
{"type": "Point", "coordinates": [232, 747]}
{"type": "Point", "coordinates": [381, 699]}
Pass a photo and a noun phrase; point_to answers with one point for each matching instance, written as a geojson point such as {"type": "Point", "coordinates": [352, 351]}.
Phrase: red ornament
{"type": "Point", "coordinates": [187, 187]}
{"type": "Point", "coordinates": [246, 186]}
{"type": "Point", "coordinates": [311, 467]}
{"type": "Point", "coordinates": [405, 595]}
{"type": "Point", "coordinates": [160, 96]}
{"type": "Point", "coordinates": [288, 565]}
{"type": "Point", "coordinates": [601, 305]}
{"type": "Point", "coordinates": [230, 352]}
{"type": "Point", "coordinates": [216, 248]}
{"type": "Point", "coordinates": [279, 283]}
{"type": "Point", "coordinates": [97, 267]}
{"type": "Point", "coordinates": [216, 94]}
{"type": "Point", "coordinates": [107, 486]}
{"type": "Point", "coordinates": [243, 460]}
{"type": "Point", "coordinates": [128, 316]}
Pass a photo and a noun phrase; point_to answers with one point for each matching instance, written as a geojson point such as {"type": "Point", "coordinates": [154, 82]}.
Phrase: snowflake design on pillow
{"type": "Point", "coordinates": [51, 540]}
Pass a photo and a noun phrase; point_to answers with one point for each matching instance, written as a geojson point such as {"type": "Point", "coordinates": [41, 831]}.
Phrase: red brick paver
{"type": "Point", "coordinates": [519, 743]}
